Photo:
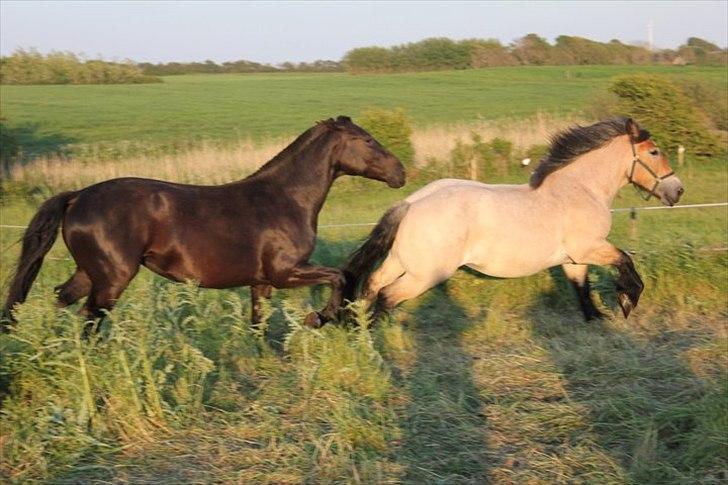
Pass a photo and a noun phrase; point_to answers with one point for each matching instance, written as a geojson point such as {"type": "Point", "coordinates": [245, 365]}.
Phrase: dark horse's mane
{"type": "Point", "coordinates": [573, 142]}
{"type": "Point", "coordinates": [303, 140]}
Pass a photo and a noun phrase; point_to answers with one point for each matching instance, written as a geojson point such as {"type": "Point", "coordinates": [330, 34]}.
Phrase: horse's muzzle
{"type": "Point", "coordinates": [395, 174]}
{"type": "Point", "coordinates": [396, 182]}
{"type": "Point", "coordinates": [670, 191]}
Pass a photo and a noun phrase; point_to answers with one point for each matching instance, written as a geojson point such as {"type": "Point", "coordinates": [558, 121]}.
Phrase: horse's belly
{"type": "Point", "coordinates": [500, 270]}
{"type": "Point", "coordinates": [505, 261]}
{"type": "Point", "coordinates": [209, 269]}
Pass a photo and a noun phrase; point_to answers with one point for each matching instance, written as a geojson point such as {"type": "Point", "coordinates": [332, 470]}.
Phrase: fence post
{"type": "Point", "coordinates": [633, 236]}
{"type": "Point", "coordinates": [473, 168]}
{"type": "Point", "coordinates": [680, 156]}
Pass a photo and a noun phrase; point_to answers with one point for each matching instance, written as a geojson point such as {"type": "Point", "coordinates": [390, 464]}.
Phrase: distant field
{"type": "Point", "coordinates": [269, 105]}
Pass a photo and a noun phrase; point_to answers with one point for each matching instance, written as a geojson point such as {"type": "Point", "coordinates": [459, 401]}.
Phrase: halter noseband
{"type": "Point", "coordinates": [643, 191]}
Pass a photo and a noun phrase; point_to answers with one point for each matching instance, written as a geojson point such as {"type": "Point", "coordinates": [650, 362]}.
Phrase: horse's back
{"type": "Point", "coordinates": [441, 184]}
{"type": "Point", "coordinates": [480, 225]}
{"type": "Point", "coordinates": [123, 201]}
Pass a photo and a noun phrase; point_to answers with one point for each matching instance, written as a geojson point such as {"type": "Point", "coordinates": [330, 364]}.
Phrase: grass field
{"type": "Point", "coordinates": [477, 381]}
{"type": "Point", "coordinates": [185, 108]}
{"type": "Point", "coordinates": [480, 380]}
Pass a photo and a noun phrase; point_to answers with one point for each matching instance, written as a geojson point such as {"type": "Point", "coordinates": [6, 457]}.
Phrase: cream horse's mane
{"type": "Point", "coordinates": [573, 142]}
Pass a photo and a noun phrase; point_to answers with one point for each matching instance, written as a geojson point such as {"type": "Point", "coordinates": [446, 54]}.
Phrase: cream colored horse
{"type": "Point", "coordinates": [561, 217]}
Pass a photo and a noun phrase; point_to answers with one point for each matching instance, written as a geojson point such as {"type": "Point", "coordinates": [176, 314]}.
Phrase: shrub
{"type": "Point", "coordinates": [489, 53]}
{"type": "Point", "coordinates": [462, 156]}
{"type": "Point", "coordinates": [368, 59]}
{"type": "Point", "coordinates": [699, 51]}
{"type": "Point", "coordinates": [666, 111]}
{"type": "Point", "coordinates": [392, 128]}
{"type": "Point", "coordinates": [9, 147]}
{"type": "Point", "coordinates": [533, 50]}
{"type": "Point", "coordinates": [501, 148]}
{"type": "Point", "coordinates": [430, 55]}
{"type": "Point", "coordinates": [709, 99]}
{"type": "Point", "coordinates": [487, 158]}
{"type": "Point", "coordinates": [536, 153]}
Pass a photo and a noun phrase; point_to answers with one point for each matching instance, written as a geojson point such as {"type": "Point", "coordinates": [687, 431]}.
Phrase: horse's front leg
{"type": "Point", "coordinates": [306, 274]}
{"type": "Point", "coordinates": [629, 284]}
{"type": "Point", "coordinates": [256, 293]}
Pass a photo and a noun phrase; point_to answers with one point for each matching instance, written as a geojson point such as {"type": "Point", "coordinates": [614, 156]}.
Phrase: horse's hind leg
{"type": "Point", "coordinates": [256, 293]}
{"type": "Point", "coordinates": [386, 274]}
{"type": "Point", "coordinates": [577, 275]}
{"type": "Point", "coordinates": [106, 288]}
{"type": "Point", "coordinates": [77, 286]}
{"type": "Point", "coordinates": [406, 287]}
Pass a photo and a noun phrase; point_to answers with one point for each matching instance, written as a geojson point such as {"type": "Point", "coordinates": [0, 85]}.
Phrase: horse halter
{"type": "Point", "coordinates": [643, 191]}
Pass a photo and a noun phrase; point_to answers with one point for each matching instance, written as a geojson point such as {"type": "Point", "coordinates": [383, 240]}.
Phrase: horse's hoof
{"type": "Point", "coordinates": [626, 303]}
{"type": "Point", "coordinates": [313, 320]}
{"type": "Point", "coordinates": [90, 329]}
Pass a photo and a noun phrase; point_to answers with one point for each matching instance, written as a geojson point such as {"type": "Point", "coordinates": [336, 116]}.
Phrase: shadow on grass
{"type": "Point", "coordinates": [443, 438]}
{"type": "Point", "coordinates": [647, 408]}
{"type": "Point", "coordinates": [443, 431]}
{"type": "Point", "coordinates": [22, 143]}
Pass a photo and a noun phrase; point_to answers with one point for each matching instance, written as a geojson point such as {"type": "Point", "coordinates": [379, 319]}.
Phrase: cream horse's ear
{"type": "Point", "coordinates": [633, 130]}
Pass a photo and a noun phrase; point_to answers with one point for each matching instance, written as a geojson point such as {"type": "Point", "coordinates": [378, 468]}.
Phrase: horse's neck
{"type": "Point", "coordinates": [600, 172]}
{"type": "Point", "coordinates": [305, 177]}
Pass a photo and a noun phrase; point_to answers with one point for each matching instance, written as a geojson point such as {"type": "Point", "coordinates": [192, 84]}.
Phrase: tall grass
{"type": "Point", "coordinates": [204, 164]}
{"type": "Point", "coordinates": [478, 380]}
{"type": "Point", "coordinates": [172, 357]}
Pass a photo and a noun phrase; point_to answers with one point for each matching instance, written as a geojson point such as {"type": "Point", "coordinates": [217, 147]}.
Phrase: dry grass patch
{"type": "Point", "coordinates": [211, 163]}
{"type": "Point", "coordinates": [437, 142]}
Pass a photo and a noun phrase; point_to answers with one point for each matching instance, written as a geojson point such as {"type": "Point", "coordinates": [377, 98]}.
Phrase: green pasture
{"type": "Point", "coordinates": [479, 380]}
{"type": "Point", "coordinates": [221, 107]}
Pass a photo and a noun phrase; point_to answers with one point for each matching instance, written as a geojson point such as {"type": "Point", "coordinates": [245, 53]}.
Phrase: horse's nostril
{"type": "Point", "coordinates": [680, 191]}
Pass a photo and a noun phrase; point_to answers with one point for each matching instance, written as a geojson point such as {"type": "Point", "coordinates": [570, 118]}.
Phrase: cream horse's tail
{"type": "Point", "coordinates": [376, 247]}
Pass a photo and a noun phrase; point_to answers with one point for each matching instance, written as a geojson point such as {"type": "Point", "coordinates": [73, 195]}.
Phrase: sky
{"type": "Point", "coordinates": [274, 32]}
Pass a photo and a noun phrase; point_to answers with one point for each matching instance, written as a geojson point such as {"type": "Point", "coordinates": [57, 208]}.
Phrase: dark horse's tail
{"type": "Point", "coordinates": [377, 245]}
{"type": "Point", "coordinates": [37, 241]}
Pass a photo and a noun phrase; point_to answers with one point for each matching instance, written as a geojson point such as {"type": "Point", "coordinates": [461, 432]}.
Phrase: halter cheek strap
{"type": "Point", "coordinates": [643, 191]}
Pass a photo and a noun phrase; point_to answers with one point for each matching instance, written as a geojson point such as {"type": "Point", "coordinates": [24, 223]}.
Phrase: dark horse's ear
{"type": "Point", "coordinates": [343, 119]}
{"type": "Point", "coordinates": [633, 130]}
{"type": "Point", "coordinates": [328, 123]}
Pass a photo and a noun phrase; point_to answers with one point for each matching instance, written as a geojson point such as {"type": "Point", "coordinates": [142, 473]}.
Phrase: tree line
{"type": "Point", "coordinates": [444, 54]}
{"type": "Point", "coordinates": [241, 66]}
{"type": "Point", "coordinates": [32, 67]}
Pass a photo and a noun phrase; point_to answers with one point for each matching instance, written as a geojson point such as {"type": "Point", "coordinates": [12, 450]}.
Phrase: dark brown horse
{"type": "Point", "coordinates": [257, 232]}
